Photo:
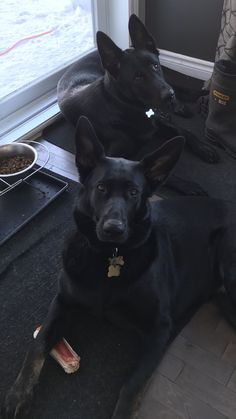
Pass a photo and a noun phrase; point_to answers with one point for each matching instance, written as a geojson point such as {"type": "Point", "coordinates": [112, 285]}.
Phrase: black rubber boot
{"type": "Point", "coordinates": [221, 120]}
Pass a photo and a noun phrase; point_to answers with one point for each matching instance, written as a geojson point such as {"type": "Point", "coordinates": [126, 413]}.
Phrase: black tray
{"type": "Point", "coordinates": [19, 205]}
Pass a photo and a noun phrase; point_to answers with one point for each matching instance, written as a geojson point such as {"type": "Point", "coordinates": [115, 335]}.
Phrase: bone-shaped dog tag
{"type": "Point", "coordinates": [115, 264]}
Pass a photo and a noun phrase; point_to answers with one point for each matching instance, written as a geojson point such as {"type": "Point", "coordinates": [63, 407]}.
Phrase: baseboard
{"type": "Point", "coordinates": [191, 66]}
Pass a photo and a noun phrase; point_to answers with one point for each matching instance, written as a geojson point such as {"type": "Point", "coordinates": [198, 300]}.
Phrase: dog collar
{"type": "Point", "coordinates": [115, 263]}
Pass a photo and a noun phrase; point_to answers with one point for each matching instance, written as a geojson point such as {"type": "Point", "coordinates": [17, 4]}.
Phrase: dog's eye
{"type": "Point", "coordinates": [101, 187]}
{"type": "Point", "coordinates": [133, 192]}
{"type": "Point", "coordinates": [139, 76]}
{"type": "Point", "coordinates": [155, 66]}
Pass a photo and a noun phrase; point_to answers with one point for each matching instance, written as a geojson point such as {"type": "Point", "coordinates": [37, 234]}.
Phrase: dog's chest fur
{"type": "Point", "coordinates": [103, 296]}
{"type": "Point", "coordinates": [115, 112]}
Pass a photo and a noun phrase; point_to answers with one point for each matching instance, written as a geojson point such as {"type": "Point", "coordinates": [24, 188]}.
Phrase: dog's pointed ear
{"type": "Point", "coordinates": [140, 37]}
{"type": "Point", "coordinates": [158, 165]}
{"type": "Point", "coordinates": [89, 150]}
{"type": "Point", "coordinates": [110, 53]}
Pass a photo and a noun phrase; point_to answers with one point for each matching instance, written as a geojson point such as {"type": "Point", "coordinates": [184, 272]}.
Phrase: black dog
{"type": "Point", "coordinates": [167, 258]}
{"type": "Point", "coordinates": [116, 102]}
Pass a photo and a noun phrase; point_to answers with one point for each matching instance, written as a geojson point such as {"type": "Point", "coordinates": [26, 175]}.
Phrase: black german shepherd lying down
{"type": "Point", "coordinates": [139, 264]}
{"type": "Point", "coordinates": [116, 102]}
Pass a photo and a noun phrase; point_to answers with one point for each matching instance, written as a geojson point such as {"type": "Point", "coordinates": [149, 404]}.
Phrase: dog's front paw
{"type": "Point", "coordinates": [16, 404]}
{"type": "Point", "coordinates": [192, 189]}
{"type": "Point", "coordinates": [185, 187]}
{"type": "Point", "coordinates": [182, 110]}
{"type": "Point", "coordinates": [123, 406]}
{"type": "Point", "coordinates": [127, 406]}
{"type": "Point", "coordinates": [208, 154]}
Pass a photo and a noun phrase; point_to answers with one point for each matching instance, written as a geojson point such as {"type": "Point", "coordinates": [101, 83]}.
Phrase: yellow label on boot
{"type": "Point", "coordinates": [221, 96]}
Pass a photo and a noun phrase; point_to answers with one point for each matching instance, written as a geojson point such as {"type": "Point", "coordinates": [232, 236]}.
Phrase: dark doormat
{"type": "Point", "coordinates": [29, 266]}
{"type": "Point", "coordinates": [61, 133]}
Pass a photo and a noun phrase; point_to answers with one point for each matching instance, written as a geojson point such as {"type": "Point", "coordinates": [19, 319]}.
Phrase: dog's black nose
{"type": "Point", "coordinates": [113, 227]}
{"type": "Point", "coordinates": [168, 95]}
{"type": "Point", "coordinates": [172, 95]}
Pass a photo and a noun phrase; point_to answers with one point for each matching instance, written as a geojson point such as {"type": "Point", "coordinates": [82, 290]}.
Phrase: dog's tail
{"type": "Point", "coordinates": [227, 307]}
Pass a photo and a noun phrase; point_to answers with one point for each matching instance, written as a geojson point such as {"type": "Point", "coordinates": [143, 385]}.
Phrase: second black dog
{"type": "Point", "coordinates": [116, 101]}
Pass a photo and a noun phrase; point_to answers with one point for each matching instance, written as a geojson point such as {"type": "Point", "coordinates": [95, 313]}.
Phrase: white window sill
{"type": "Point", "coordinates": [30, 121]}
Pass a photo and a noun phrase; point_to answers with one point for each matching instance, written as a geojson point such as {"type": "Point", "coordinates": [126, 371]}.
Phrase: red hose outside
{"type": "Point", "coordinates": [26, 39]}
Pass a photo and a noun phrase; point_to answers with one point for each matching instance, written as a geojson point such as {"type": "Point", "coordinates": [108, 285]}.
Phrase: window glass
{"type": "Point", "coordinates": [37, 37]}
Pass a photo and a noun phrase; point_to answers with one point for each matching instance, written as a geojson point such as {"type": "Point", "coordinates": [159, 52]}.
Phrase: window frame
{"type": "Point", "coordinates": [27, 111]}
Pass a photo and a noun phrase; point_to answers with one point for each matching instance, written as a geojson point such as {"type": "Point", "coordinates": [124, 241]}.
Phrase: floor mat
{"type": "Point", "coordinates": [61, 133]}
{"type": "Point", "coordinates": [29, 267]}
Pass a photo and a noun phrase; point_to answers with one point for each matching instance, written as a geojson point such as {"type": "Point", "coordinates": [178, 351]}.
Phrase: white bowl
{"type": "Point", "coordinates": [18, 149]}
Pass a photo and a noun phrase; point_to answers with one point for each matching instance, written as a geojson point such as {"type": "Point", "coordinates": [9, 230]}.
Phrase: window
{"type": "Point", "coordinates": [39, 39]}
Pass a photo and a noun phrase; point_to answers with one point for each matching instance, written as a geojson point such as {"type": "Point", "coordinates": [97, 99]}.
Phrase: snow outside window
{"type": "Point", "coordinates": [38, 37]}
{"type": "Point", "coordinates": [39, 40]}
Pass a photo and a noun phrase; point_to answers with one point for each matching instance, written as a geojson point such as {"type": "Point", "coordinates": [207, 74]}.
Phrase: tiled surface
{"type": "Point", "coordinates": [197, 376]}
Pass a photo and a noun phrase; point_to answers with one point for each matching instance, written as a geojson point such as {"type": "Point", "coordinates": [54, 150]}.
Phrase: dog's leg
{"type": "Point", "coordinates": [226, 298]}
{"type": "Point", "coordinates": [200, 147]}
{"type": "Point", "coordinates": [130, 396]}
{"type": "Point", "coordinates": [167, 129]}
{"type": "Point", "coordinates": [18, 399]}
{"type": "Point", "coordinates": [185, 187]}
{"type": "Point", "coordinates": [181, 109]}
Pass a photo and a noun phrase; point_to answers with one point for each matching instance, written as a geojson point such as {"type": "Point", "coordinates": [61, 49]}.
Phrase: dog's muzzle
{"type": "Point", "coordinates": [113, 227]}
{"type": "Point", "coordinates": [113, 230]}
{"type": "Point", "coordinates": [169, 98]}
{"type": "Point", "coordinates": [168, 95]}
{"type": "Point", "coordinates": [172, 96]}
{"type": "Point", "coordinates": [167, 101]}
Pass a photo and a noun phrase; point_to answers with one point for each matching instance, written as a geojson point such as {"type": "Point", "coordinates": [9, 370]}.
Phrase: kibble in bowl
{"type": "Point", "coordinates": [16, 158]}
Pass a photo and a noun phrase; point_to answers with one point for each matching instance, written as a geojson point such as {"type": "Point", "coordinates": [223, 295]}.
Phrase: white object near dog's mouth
{"type": "Point", "coordinates": [150, 113]}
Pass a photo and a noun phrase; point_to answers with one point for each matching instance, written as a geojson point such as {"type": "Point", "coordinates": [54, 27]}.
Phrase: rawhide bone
{"type": "Point", "coordinates": [63, 354]}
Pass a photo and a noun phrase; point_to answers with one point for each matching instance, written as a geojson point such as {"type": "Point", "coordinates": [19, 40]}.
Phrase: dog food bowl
{"type": "Point", "coordinates": [16, 158]}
